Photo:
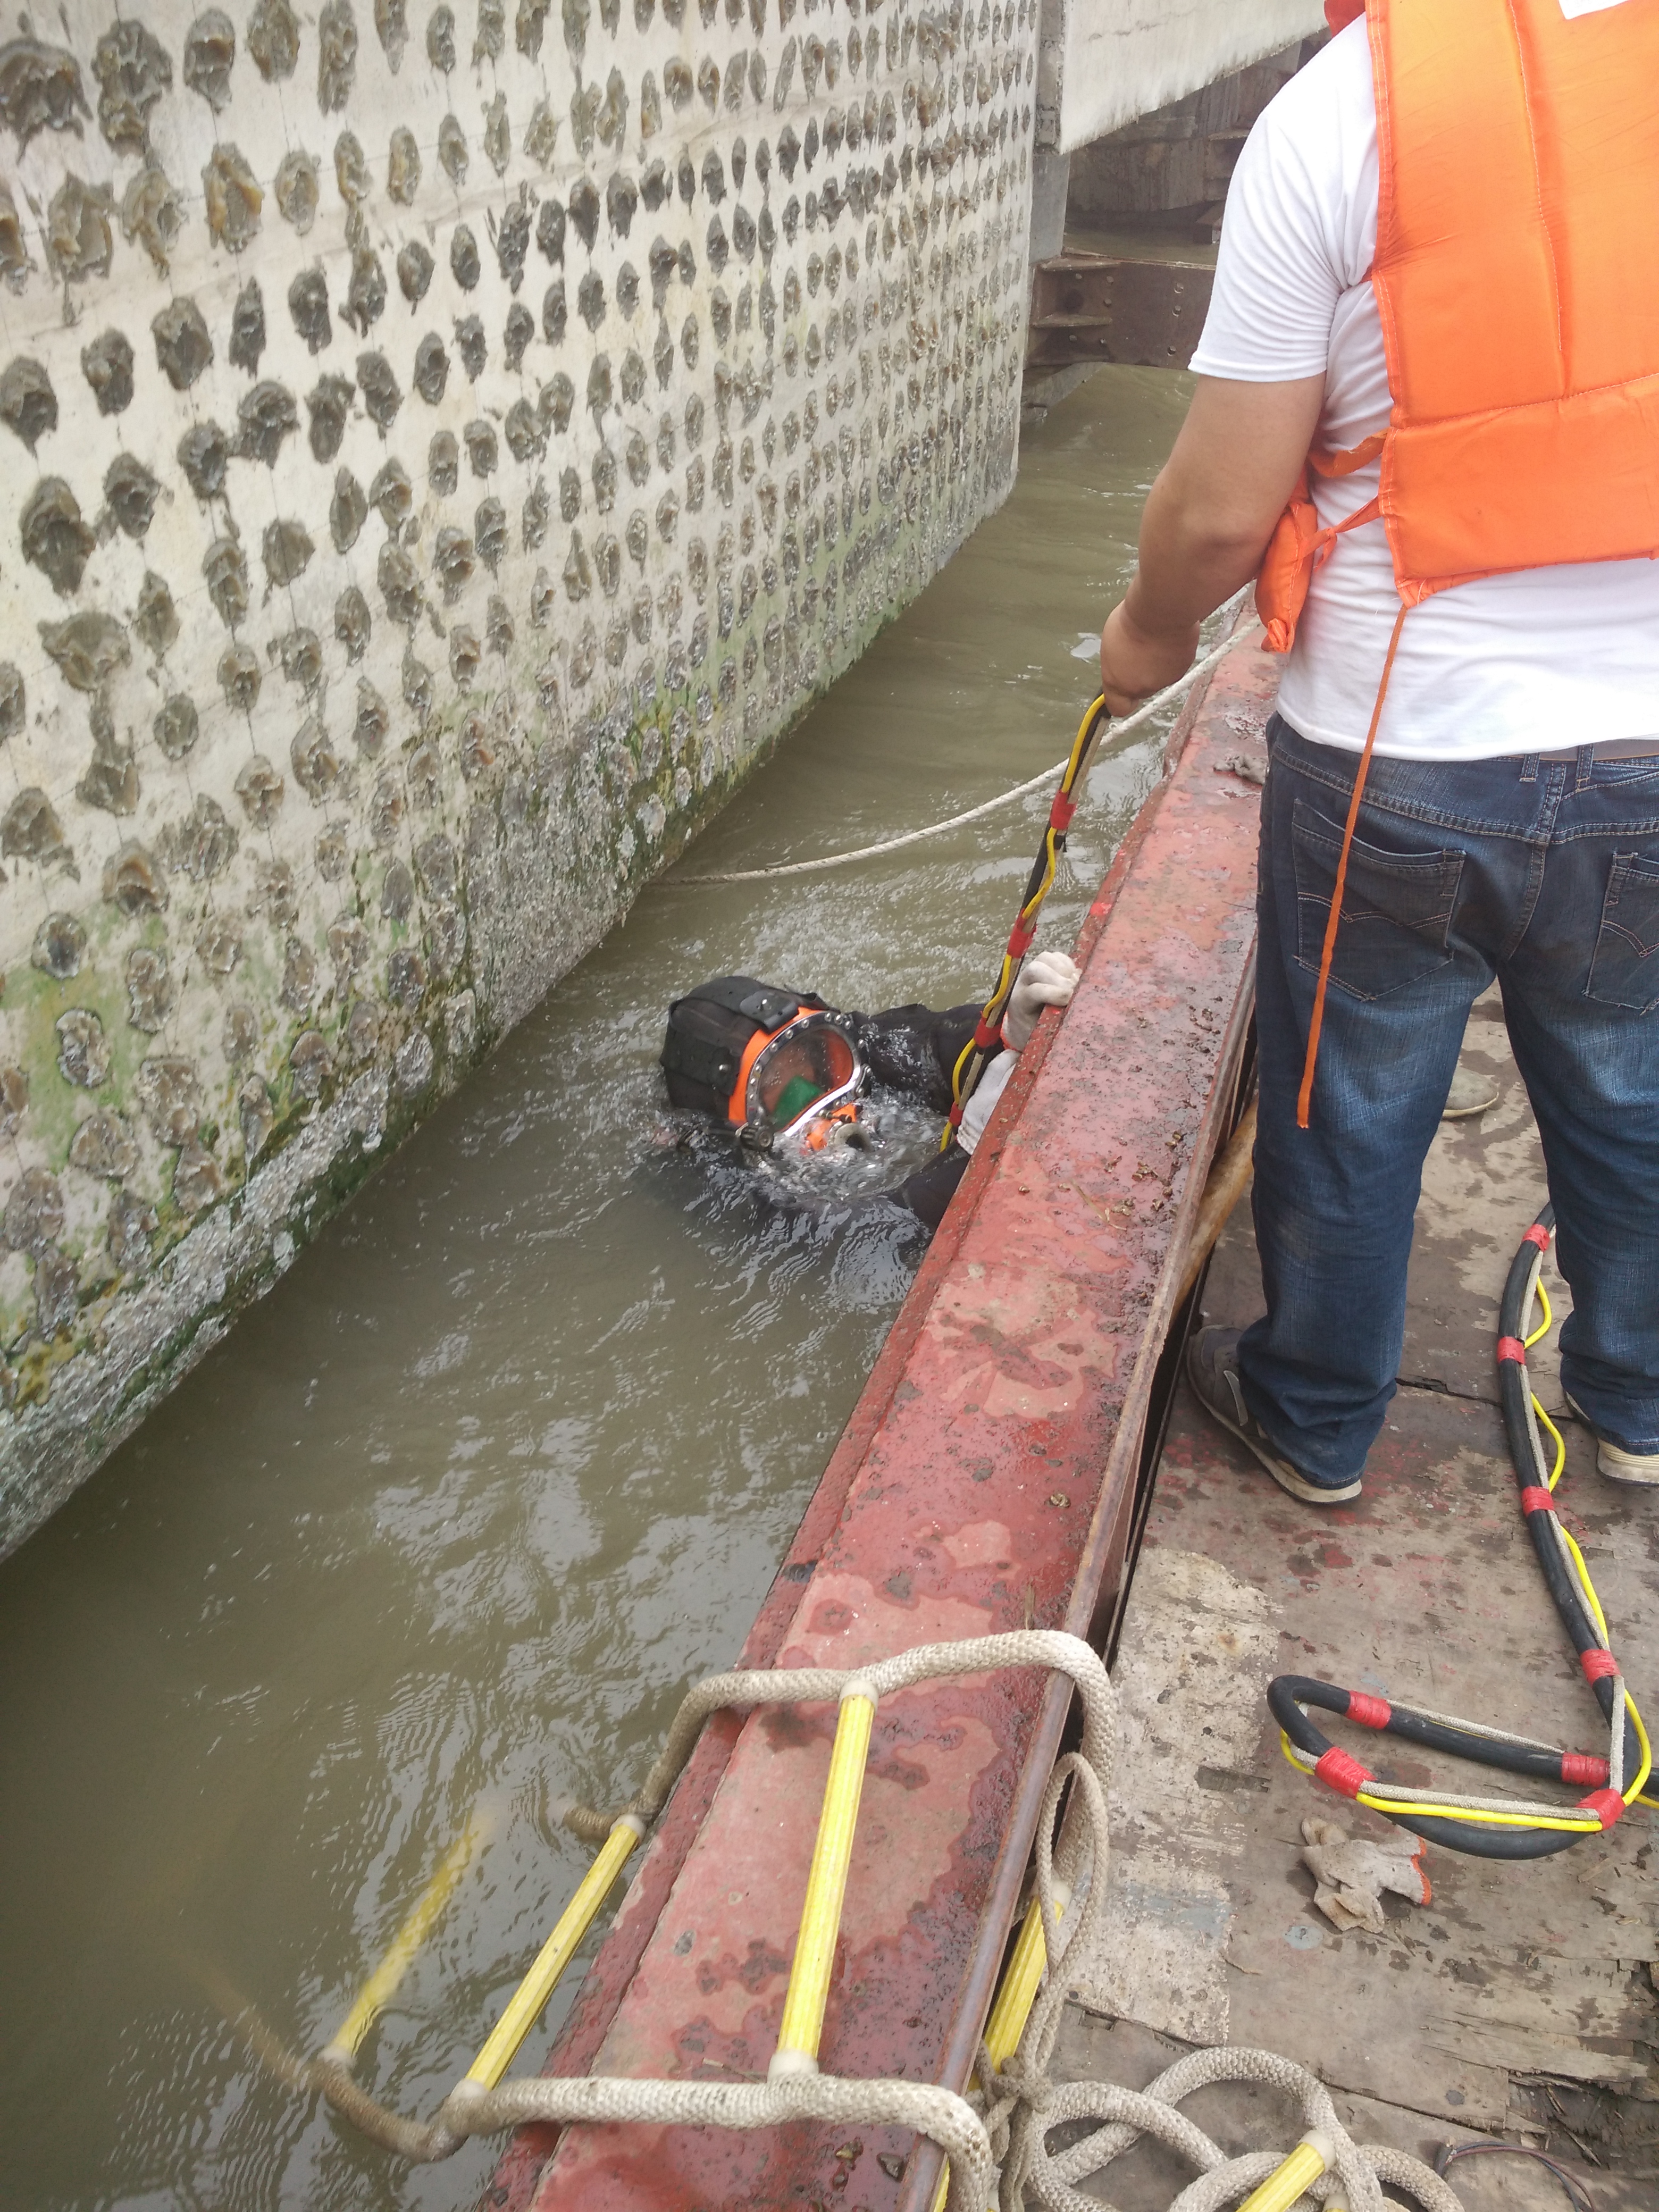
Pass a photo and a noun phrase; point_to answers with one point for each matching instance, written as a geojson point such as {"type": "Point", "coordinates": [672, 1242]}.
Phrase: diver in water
{"type": "Point", "coordinates": [789, 1078]}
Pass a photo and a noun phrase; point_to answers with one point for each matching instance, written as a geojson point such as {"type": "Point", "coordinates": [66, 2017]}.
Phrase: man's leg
{"type": "Point", "coordinates": [1581, 996]}
{"type": "Point", "coordinates": [1335, 1203]}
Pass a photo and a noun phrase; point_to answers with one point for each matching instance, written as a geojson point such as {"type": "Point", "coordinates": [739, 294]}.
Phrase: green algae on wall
{"type": "Point", "coordinates": [435, 485]}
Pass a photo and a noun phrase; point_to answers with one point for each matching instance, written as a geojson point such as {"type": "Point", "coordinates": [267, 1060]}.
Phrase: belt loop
{"type": "Point", "coordinates": [1584, 768]}
{"type": "Point", "coordinates": [1529, 768]}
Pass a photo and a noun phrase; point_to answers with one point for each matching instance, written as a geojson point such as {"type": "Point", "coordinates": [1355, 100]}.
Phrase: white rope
{"type": "Point", "coordinates": [1040, 782]}
{"type": "Point", "coordinates": [1492, 1735]}
{"type": "Point", "coordinates": [1027, 2104]}
{"type": "Point", "coordinates": [918, 2107]}
{"type": "Point", "coordinates": [1403, 1794]}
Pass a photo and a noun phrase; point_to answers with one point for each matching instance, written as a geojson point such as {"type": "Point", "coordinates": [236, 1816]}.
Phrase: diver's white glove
{"type": "Point", "coordinates": [980, 1107]}
{"type": "Point", "coordinates": [1049, 978]}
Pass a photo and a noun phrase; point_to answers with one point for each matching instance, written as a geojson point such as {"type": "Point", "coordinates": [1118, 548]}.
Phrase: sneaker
{"type": "Point", "coordinates": [1470, 1094]}
{"type": "Point", "coordinates": [1212, 1371]}
{"type": "Point", "coordinates": [1617, 1461]}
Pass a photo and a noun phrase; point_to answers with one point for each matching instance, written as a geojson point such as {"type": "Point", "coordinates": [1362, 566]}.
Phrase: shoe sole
{"type": "Point", "coordinates": [1293, 1485]}
{"type": "Point", "coordinates": [1640, 1470]}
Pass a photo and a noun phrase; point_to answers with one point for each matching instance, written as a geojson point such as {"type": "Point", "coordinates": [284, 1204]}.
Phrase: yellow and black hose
{"type": "Point", "coordinates": [1495, 1828]}
{"type": "Point", "coordinates": [986, 1039]}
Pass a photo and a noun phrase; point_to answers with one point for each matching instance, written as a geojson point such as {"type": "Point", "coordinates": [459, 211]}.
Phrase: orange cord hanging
{"type": "Point", "coordinates": [1305, 1095]}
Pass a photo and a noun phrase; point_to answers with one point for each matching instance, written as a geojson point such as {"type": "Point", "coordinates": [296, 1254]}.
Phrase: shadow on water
{"type": "Point", "coordinates": [508, 1457]}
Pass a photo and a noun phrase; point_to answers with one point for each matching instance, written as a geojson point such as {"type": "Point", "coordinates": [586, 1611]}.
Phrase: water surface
{"type": "Point", "coordinates": [509, 1457]}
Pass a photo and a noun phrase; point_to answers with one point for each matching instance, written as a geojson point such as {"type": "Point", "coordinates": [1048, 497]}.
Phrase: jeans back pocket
{"type": "Point", "coordinates": [1625, 968]}
{"type": "Point", "coordinates": [1396, 908]}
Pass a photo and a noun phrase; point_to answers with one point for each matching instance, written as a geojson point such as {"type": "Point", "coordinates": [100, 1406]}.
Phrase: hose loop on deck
{"type": "Point", "coordinates": [1487, 1826]}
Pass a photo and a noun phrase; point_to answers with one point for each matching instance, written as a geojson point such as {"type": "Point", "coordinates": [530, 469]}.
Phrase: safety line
{"type": "Point", "coordinates": [1040, 782]}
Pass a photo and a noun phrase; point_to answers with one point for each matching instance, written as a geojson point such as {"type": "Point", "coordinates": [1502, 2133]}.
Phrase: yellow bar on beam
{"type": "Point", "coordinates": [381, 1986]}
{"type": "Point", "coordinates": [1012, 2008]}
{"type": "Point", "coordinates": [1021, 1983]}
{"type": "Point", "coordinates": [1286, 2183]}
{"type": "Point", "coordinates": [525, 2006]}
{"type": "Point", "coordinates": [826, 1887]}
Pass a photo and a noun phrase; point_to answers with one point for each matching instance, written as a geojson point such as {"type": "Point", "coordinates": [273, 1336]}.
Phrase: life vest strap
{"type": "Point", "coordinates": [1344, 464]}
{"type": "Point", "coordinates": [1300, 543]}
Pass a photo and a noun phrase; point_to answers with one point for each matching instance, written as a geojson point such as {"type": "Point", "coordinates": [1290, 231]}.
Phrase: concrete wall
{"type": "Point", "coordinates": [446, 449]}
{"type": "Point", "coordinates": [1170, 169]}
{"type": "Point", "coordinates": [1105, 61]}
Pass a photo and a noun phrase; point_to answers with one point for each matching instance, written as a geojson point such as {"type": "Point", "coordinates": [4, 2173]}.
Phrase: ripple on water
{"type": "Point", "coordinates": [510, 1454]}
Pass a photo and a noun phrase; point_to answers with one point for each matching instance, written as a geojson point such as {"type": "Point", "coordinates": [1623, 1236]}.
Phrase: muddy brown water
{"type": "Point", "coordinates": [509, 1457]}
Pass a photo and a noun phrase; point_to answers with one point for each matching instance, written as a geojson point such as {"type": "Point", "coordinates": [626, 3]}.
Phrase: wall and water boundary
{"type": "Point", "coordinates": [448, 448]}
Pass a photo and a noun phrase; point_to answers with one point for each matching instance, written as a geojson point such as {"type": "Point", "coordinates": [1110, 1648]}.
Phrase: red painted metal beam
{"type": "Point", "coordinates": [985, 1482]}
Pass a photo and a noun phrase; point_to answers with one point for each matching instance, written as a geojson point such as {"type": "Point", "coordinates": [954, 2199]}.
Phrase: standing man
{"type": "Point", "coordinates": [1447, 326]}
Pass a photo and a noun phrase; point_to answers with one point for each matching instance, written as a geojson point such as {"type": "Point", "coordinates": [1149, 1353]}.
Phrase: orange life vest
{"type": "Point", "coordinates": [1517, 245]}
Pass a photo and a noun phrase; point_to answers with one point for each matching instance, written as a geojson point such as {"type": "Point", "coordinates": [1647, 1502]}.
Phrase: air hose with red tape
{"type": "Point", "coordinates": [985, 1042]}
{"type": "Point", "coordinates": [1498, 1828]}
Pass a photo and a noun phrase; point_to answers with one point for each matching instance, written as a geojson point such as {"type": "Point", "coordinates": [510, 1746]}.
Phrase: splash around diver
{"type": "Point", "coordinates": [822, 1104]}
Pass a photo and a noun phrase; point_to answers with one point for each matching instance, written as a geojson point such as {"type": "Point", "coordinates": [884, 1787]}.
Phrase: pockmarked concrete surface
{"type": "Point", "coordinates": [444, 449]}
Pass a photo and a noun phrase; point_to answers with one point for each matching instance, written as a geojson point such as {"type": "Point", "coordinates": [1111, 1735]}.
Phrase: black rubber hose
{"type": "Point", "coordinates": [1288, 1694]}
{"type": "Point", "coordinates": [1542, 1765]}
{"type": "Point", "coordinates": [1513, 1390]}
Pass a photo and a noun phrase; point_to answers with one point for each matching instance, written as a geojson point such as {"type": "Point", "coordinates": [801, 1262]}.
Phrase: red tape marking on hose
{"type": "Point", "coordinates": [1510, 1347]}
{"type": "Point", "coordinates": [1580, 1767]}
{"type": "Point", "coordinates": [1598, 1665]}
{"type": "Point", "coordinates": [1536, 1499]}
{"type": "Point", "coordinates": [1606, 1804]}
{"type": "Point", "coordinates": [1343, 1771]}
{"type": "Point", "coordinates": [986, 1034]}
{"type": "Point", "coordinates": [1060, 813]}
{"type": "Point", "coordinates": [1369, 1713]}
{"type": "Point", "coordinates": [1021, 938]}
{"type": "Point", "coordinates": [1538, 1235]}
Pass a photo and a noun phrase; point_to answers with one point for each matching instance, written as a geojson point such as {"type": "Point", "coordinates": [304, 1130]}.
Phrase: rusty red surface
{"type": "Point", "coordinates": [984, 1482]}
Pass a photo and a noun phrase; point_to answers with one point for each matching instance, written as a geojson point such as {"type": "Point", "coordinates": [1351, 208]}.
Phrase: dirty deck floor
{"type": "Point", "coordinates": [1521, 2002]}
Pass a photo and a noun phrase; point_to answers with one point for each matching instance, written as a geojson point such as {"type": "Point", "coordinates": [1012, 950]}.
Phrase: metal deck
{"type": "Point", "coordinates": [1522, 2000]}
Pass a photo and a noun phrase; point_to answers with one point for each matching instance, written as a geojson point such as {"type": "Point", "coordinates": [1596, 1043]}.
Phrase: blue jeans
{"type": "Point", "coordinates": [1544, 874]}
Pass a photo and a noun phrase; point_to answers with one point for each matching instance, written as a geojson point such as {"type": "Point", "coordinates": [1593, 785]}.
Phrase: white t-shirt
{"type": "Point", "coordinates": [1532, 662]}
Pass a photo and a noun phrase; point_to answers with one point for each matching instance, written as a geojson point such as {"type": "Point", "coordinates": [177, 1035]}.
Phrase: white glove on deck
{"type": "Point", "coordinates": [1047, 979]}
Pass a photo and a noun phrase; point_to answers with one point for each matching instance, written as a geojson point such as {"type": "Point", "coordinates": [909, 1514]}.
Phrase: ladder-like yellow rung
{"type": "Point", "coordinates": [1019, 1993]}
{"type": "Point", "coordinates": [382, 1984]}
{"type": "Point", "coordinates": [523, 2007]}
{"type": "Point", "coordinates": [1310, 2159]}
{"type": "Point", "coordinates": [826, 1888]}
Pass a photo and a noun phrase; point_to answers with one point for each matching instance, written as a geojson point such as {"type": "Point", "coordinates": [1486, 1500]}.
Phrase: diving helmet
{"type": "Point", "coordinates": [770, 1063]}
